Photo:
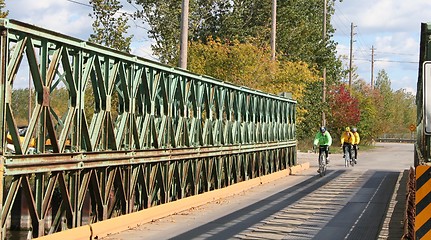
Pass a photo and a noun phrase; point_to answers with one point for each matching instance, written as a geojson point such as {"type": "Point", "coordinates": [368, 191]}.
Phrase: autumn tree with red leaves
{"type": "Point", "coordinates": [343, 108]}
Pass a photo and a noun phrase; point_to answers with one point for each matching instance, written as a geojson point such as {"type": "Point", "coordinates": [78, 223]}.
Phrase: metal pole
{"type": "Point", "coordinates": [324, 68]}
{"type": "Point", "coordinates": [351, 54]}
{"type": "Point", "coordinates": [184, 34]}
{"type": "Point", "coordinates": [4, 59]}
{"type": "Point", "coordinates": [372, 67]}
{"type": "Point", "coordinates": [273, 28]}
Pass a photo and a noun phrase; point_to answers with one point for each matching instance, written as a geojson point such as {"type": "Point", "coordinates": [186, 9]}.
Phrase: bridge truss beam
{"type": "Point", "coordinates": [133, 133]}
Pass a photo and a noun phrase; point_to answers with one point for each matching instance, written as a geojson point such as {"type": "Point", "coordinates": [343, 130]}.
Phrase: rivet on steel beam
{"type": "Point", "coordinates": [80, 164]}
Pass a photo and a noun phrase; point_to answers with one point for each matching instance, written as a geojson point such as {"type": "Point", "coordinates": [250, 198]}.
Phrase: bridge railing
{"type": "Point", "coordinates": [111, 133]}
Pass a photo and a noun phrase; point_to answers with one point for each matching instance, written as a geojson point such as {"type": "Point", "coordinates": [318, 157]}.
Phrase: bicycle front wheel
{"type": "Point", "coordinates": [352, 159]}
{"type": "Point", "coordinates": [322, 165]}
{"type": "Point", "coordinates": [346, 156]}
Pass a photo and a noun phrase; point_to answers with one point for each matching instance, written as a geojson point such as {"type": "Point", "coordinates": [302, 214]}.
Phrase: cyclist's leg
{"type": "Point", "coordinates": [355, 147]}
{"type": "Point", "coordinates": [351, 152]}
{"type": "Point", "coordinates": [318, 159]}
{"type": "Point", "coordinates": [327, 154]}
{"type": "Point", "coordinates": [344, 150]}
{"type": "Point", "coordinates": [345, 153]}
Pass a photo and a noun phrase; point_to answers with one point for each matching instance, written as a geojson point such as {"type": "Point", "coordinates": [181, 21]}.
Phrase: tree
{"type": "Point", "coordinates": [248, 65]}
{"type": "Point", "coordinates": [404, 112]}
{"type": "Point", "coordinates": [3, 14]}
{"type": "Point", "coordinates": [299, 36]}
{"type": "Point", "coordinates": [382, 110]}
{"type": "Point", "coordinates": [344, 108]}
{"type": "Point", "coordinates": [383, 84]}
{"type": "Point", "coordinates": [312, 113]}
{"type": "Point", "coordinates": [110, 25]}
{"type": "Point", "coordinates": [370, 104]}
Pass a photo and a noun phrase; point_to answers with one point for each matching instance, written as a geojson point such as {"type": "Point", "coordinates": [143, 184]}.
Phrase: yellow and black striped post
{"type": "Point", "coordinates": [423, 202]}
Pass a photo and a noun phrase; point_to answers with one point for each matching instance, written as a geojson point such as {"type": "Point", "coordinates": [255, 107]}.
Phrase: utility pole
{"type": "Point", "coordinates": [324, 68]}
{"type": "Point", "coordinates": [372, 67]}
{"type": "Point", "coordinates": [273, 28]}
{"type": "Point", "coordinates": [351, 54]}
{"type": "Point", "coordinates": [182, 63]}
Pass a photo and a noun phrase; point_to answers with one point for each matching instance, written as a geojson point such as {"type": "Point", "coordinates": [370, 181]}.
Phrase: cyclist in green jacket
{"type": "Point", "coordinates": [323, 139]}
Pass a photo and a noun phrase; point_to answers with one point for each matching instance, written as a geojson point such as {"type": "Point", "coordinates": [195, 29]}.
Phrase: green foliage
{"type": "Point", "coordinates": [110, 25]}
{"type": "Point", "coordinates": [248, 65]}
{"type": "Point", "coordinates": [299, 27]}
{"type": "Point", "coordinates": [164, 20]}
{"type": "Point", "coordinates": [383, 111]}
{"type": "Point", "coordinates": [404, 112]}
{"type": "Point", "coordinates": [20, 104]}
{"type": "Point", "coordinates": [370, 104]}
{"type": "Point", "coordinates": [312, 114]}
{"type": "Point", "coordinates": [383, 84]}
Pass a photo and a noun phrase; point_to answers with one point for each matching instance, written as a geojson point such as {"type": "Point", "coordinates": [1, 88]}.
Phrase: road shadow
{"type": "Point", "coordinates": [230, 225]}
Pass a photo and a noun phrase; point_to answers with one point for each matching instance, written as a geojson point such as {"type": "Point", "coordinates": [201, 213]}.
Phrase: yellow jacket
{"type": "Point", "coordinates": [347, 137]}
{"type": "Point", "coordinates": [357, 138]}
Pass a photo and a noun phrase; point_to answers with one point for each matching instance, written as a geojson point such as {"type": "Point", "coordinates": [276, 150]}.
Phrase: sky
{"type": "Point", "coordinates": [392, 27]}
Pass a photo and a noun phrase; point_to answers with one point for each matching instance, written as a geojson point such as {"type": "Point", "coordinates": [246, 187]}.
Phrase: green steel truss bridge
{"type": "Point", "coordinates": [131, 133]}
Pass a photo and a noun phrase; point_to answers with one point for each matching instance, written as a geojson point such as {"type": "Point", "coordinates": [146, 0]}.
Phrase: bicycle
{"type": "Point", "coordinates": [322, 160]}
{"type": "Point", "coordinates": [348, 156]}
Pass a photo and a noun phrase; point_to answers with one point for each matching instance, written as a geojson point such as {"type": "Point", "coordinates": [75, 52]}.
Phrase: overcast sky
{"type": "Point", "coordinates": [391, 26]}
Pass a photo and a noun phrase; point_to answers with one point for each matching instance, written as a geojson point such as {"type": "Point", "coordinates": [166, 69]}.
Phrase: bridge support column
{"type": "Point", "coordinates": [41, 227]}
{"type": "Point", "coordinates": [3, 220]}
{"type": "Point", "coordinates": [105, 212]}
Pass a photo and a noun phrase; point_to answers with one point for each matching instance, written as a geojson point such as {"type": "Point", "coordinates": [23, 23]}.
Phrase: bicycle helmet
{"type": "Point", "coordinates": [354, 129]}
{"type": "Point", "coordinates": [322, 129]}
{"type": "Point", "coordinates": [347, 129]}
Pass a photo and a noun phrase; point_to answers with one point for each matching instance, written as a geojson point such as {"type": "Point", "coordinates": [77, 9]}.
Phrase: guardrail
{"type": "Point", "coordinates": [400, 140]}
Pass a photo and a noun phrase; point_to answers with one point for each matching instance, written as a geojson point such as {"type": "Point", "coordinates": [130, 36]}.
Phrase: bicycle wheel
{"type": "Point", "coordinates": [346, 156]}
{"type": "Point", "coordinates": [322, 165]}
{"type": "Point", "coordinates": [352, 160]}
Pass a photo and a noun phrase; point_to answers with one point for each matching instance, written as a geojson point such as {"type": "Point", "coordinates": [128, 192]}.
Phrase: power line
{"type": "Point", "coordinates": [128, 15]}
{"type": "Point", "coordinates": [394, 53]}
{"type": "Point", "coordinates": [395, 61]}
{"type": "Point", "coordinates": [80, 3]}
{"type": "Point", "coordinates": [385, 60]}
{"type": "Point", "coordinates": [360, 41]}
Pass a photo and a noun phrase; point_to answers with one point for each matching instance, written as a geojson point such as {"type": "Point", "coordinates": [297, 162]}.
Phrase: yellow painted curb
{"type": "Point", "coordinates": [104, 228]}
{"type": "Point", "coordinates": [299, 168]}
{"type": "Point", "coordinates": [114, 225]}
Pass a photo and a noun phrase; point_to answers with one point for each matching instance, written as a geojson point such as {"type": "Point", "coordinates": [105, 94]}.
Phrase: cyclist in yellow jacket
{"type": "Point", "coordinates": [347, 140]}
{"type": "Point", "coordinates": [355, 144]}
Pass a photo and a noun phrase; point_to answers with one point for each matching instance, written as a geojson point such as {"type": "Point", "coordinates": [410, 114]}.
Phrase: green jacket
{"type": "Point", "coordinates": [323, 139]}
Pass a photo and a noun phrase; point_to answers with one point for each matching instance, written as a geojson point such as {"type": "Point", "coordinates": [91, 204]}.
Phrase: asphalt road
{"type": "Point", "coordinates": [360, 202]}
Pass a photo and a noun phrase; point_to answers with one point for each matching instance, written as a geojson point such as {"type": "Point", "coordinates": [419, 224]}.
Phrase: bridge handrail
{"type": "Point", "coordinates": [78, 43]}
{"type": "Point", "coordinates": [154, 99]}
{"type": "Point", "coordinates": [174, 134]}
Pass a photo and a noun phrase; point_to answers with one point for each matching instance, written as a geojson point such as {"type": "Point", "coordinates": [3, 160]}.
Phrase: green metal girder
{"type": "Point", "coordinates": [152, 135]}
